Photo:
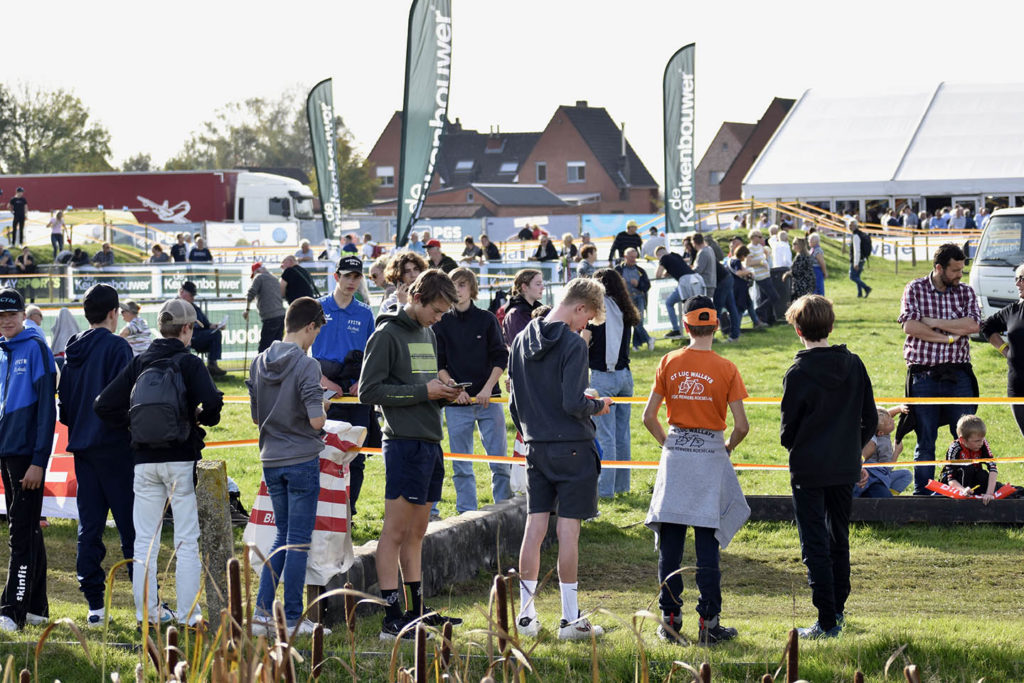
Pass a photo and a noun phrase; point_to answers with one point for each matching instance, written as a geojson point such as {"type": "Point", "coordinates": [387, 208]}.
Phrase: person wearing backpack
{"type": "Point", "coordinates": [860, 250]}
{"type": "Point", "coordinates": [163, 396]}
{"type": "Point", "coordinates": [103, 463]}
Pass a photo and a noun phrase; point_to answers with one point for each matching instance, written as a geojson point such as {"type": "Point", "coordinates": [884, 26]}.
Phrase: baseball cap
{"type": "Point", "coordinates": [189, 287]}
{"type": "Point", "coordinates": [350, 264]}
{"type": "Point", "coordinates": [434, 243]}
{"type": "Point", "coordinates": [130, 306]}
{"type": "Point", "coordinates": [632, 224]}
{"type": "Point", "coordinates": [178, 312]}
{"type": "Point", "coordinates": [20, 189]}
{"type": "Point", "coordinates": [256, 266]}
{"type": "Point", "coordinates": [700, 310]}
{"type": "Point", "coordinates": [11, 300]}
{"type": "Point", "coordinates": [99, 300]}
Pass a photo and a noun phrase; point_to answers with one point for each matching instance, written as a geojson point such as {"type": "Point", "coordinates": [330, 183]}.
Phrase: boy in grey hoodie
{"type": "Point", "coordinates": [548, 373]}
{"type": "Point", "coordinates": [400, 375]}
{"type": "Point", "coordinates": [287, 403]}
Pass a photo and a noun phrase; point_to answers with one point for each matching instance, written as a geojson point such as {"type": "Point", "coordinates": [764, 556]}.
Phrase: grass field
{"type": "Point", "coordinates": [952, 595]}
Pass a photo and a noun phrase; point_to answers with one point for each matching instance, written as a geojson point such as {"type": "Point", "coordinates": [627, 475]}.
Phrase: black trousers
{"type": "Point", "coordinates": [272, 331]}
{"type": "Point", "coordinates": [25, 590]}
{"type": "Point", "coordinates": [671, 539]}
{"type": "Point", "coordinates": [208, 342]}
{"type": "Point", "coordinates": [105, 484]}
{"type": "Point", "coordinates": [18, 235]}
{"type": "Point", "coordinates": [823, 520]}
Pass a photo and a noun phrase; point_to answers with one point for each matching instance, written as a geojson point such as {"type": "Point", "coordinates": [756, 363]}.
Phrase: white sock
{"type": "Point", "coordinates": [527, 591]}
{"type": "Point", "coordinates": [570, 609]}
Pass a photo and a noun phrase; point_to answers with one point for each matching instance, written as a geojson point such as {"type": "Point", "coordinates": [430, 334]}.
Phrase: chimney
{"type": "Point", "coordinates": [582, 104]}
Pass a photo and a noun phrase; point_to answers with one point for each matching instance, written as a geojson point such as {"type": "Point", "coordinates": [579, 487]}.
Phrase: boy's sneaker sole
{"type": "Point", "coordinates": [528, 626]}
{"type": "Point", "coordinates": [581, 629]}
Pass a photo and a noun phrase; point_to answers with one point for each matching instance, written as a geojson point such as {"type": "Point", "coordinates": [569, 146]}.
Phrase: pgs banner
{"type": "Point", "coordinates": [428, 60]}
{"type": "Point", "coordinates": [680, 194]}
{"type": "Point", "coordinates": [320, 114]}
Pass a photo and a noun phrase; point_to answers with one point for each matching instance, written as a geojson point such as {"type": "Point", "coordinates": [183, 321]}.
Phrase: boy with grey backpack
{"type": "Point", "coordinates": [163, 396]}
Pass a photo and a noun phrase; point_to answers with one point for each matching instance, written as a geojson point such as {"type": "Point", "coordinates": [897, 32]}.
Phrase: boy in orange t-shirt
{"type": "Point", "coordinates": [696, 484]}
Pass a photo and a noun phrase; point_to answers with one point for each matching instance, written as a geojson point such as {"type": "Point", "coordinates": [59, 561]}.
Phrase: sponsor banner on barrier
{"type": "Point", "coordinates": [128, 283]}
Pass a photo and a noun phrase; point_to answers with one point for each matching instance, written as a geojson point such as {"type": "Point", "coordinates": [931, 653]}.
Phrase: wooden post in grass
{"type": "Point", "coordinates": [216, 540]}
{"type": "Point", "coordinates": [793, 657]}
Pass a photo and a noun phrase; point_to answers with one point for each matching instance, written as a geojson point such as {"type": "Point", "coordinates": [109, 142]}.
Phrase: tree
{"type": "Point", "coordinates": [49, 131]}
{"type": "Point", "coordinates": [258, 132]}
{"type": "Point", "coordinates": [138, 162]}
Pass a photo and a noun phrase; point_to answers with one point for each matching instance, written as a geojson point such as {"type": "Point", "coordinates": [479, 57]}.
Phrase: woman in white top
{"type": "Point", "coordinates": [136, 331]}
{"type": "Point", "coordinates": [56, 226]}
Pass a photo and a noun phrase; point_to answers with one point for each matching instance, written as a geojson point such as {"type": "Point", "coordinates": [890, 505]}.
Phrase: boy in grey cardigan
{"type": "Point", "coordinates": [287, 405]}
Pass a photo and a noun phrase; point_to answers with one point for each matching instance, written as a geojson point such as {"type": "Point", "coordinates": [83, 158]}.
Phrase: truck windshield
{"type": "Point", "coordinates": [1003, 241]}
{"type": "Point", "coordinates": [304, 207]}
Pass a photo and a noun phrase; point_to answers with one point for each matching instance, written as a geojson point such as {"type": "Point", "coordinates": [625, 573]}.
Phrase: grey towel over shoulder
{"type": "Point", "coordinates": [697, 485]}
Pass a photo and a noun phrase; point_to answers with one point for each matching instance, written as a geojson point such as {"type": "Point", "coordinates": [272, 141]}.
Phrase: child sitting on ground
{"type": "Point", "coordinates": [972, 478]}
{"type": "Point", "coordinates": [882, 482]}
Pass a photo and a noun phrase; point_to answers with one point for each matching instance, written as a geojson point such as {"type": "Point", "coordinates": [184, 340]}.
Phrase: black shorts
{"type": "Point", "coordinates": [561, 477]}
{"type": "Point", "coordinates": [413, 470]}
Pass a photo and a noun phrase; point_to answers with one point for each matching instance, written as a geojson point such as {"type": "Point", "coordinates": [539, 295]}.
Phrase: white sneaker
{"type": "Point", "coordinates": [262, 625]}
{"type": "Point", "coordinates": [580, 629]}
{"type": "Point", "coordinates": [35, 619]}
{"type": "Point", "coordinates": [650, 343]}
{"type": "Point", "coordinates": [95, 618]}
{"type": "Point", "coordinates": [7, 624]}
{"type": "Point", "coordinates": [306, 628]}
{"type": "Point", "coordinates": [529, 626]}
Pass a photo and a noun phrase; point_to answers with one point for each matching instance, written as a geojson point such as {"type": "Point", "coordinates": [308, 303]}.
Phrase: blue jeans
{"type": "Point", "coordinates": [855, 277]}
{"type": "Point", "coordinates": [671, 539]}
{"type": "Point", "coordinates": [640, 335]}
{"type": "Point", "coordinates": [294, 491]}
{"type": "Point", "coordinates": [883, 486]}
{"type": "Point", "coordinates": [674, 299]}
{"type": "Point", "coordinates": [613, 429]}
{"type": "Point", "coordinates": [461, 420]}
{"type": "Point", "coordinates": [725, 298]}
{"type": "Point", "coordinates": [930, 417]}
{"type": "Point", "coordinates": [819, 280]}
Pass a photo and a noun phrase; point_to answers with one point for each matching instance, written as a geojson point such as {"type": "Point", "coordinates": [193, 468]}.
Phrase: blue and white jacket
{"type": "Point", "coordinates": [28, 408]}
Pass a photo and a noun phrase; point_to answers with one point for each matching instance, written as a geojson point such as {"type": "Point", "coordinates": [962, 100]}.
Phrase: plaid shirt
{"type": "Point", "coordinates": [922, 300]}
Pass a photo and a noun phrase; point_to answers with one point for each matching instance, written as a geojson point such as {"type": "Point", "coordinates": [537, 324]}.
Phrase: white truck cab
{"type": "Point", "coordinates": [268, 198]}
{"type": "Point", "coordinates": [1000, 251]}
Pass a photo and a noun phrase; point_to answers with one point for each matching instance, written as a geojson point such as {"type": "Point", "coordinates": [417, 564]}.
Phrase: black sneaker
{"type": "Point", "coordinates": [391, 628]}
{"type": "Point", "coordinates": [674, 636]}
{"type": "Point", "coordinates": [432, 617]}
{"type": "Point", "coordinates": [712, 632]}
{"type": "Point", "coordinates": [673, 333]}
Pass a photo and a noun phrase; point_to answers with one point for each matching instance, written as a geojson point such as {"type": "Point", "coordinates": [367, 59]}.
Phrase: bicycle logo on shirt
{"type": "Point", "coordinates": [691, 387]}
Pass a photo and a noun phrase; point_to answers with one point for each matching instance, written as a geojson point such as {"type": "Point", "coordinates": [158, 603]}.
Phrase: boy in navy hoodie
{"type": "Point", "coordinates": [27, 416]}
{"type": "Point", "coordinates": [103, 459]}
{"type": "Point", "coordinates": [828, 415]}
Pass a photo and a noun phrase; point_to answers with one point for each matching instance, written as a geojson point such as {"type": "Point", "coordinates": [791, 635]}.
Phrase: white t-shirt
{"type": "Point", "coordinates": [139, 337]}
{"type": "Point", "coordinates": [782, 256]}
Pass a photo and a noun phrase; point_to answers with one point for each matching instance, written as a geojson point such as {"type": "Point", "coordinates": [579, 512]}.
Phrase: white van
{"type": "Point", "coordinates": [1000, 251]}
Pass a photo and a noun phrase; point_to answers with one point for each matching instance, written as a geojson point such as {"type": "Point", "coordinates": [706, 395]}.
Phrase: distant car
{"type": "Point", "coordinates": [999, 252]}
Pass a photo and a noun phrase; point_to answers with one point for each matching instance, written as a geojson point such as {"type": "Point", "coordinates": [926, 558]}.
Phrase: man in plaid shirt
{"type": "Point", "coordinates": [938, 314]}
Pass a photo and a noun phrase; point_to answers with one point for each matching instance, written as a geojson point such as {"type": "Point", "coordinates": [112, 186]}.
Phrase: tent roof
{"type": "Point", "coordinates": [947, 140]}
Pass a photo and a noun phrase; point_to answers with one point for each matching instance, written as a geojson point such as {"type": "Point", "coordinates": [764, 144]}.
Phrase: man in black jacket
{"type": "Point", "coordinates": [206, 338]}
{"type": "Point", "coordinates": [168, 470]}
{"type": "Point", "coordinates": [828, 415]}
{"type": "Point", "coordinates": [638, 284]}
{"type": "Point", "coordinates": [628, 238]}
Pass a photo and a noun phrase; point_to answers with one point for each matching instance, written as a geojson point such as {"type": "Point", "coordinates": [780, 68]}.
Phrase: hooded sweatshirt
{"type": "Point", "coordinates": [401, 358]}
{"type": "Point", "coordinates": [284, 395]}
{"type": "Point", "coordinates": [828, 415]}
{"type": "Point", "coordinates": [27, 409]}
{"type": "Point", "coordinates": [517, 314]}
{"type": "Point", "coordinates": [548, 371]}
{"type": "Point", "coordinates": [94, 358]}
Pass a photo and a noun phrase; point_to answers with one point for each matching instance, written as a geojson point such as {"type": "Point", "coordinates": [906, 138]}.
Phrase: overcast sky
{"type": "Point", "coordinates": [152, 72]}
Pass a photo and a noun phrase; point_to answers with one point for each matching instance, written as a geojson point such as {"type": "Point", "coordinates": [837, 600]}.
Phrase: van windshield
{"type": "Point", "coordinates": [304, 207]}
{"type": "Point", "coordinates": [1003, 241]}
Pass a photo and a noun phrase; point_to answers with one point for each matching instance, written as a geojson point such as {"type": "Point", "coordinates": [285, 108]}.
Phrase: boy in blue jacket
{"type": "Point", "coordinates": [103, 459]}
{"type": "Point", "coordinates": [27, 416]}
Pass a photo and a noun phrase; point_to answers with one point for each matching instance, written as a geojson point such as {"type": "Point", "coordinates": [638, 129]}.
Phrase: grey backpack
{"type": "Point", "coordinates": [157, 408]}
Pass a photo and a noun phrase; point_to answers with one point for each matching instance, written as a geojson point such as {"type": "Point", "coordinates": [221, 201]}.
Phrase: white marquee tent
{"type": "Point", "coordinates": [952, 140]}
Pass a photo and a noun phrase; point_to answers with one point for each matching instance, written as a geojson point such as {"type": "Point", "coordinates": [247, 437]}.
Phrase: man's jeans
{"type": "Point", "coordinates": [674, 298]}
{"type": "Point", "coordinates": [613, 429]}
{"type": "Point", "coordinates": [494, 438]}
{"type": "Point", "coordinates": [928, 418]}
{"type": "Point", "coordinates": [725, 298]}
{"type": "Point", "coordinates": [766, 298]}
{"type": "Point", "coordinates": [25, 590]}
{"type": "Point", "coordinates": [294, 491]}
{"type": "Point", "coordinates": [823, 522]}
{"type": "Point", "coordinates": [154, 483]}
{"type": "Point", "coordinates": [855, 274]}
{"type": "Point", "coordinates": [640, 335]}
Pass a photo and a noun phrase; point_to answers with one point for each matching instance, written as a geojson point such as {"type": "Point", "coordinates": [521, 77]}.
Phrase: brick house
{"type": "Point", "coordinates": [576, 165]}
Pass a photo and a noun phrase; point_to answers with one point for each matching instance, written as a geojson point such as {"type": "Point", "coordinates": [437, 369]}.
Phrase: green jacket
{"type": "Point", "coordinates": [401, 358]}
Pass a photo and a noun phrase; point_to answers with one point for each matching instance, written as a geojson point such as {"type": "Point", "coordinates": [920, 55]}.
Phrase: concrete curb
{"type": "Point", "coordinates": [454, 549]}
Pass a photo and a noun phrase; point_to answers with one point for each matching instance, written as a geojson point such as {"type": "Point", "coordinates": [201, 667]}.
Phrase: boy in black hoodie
{"type": "Point", "coordinates": [828, 415]}
{"type": "Point", "coordinates": [168, 470]}
{"type": "Point", "coordinates": [103, 461]}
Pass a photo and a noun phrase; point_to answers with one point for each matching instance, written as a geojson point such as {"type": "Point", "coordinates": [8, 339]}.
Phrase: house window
{"type": "Point", "coordinates": [716, 177]}
{"type": "Point", "coordinates": [542, 172]}
{"type": "Point", "coordinates": [464, 166]}
{"type": "Point", "coordinates": [576, 171]}
{"type": "Point", "coordinates": [469, 197]}
{"type": "Point", "coordinates": [508, 167]}
{"type": "Point", "coordinates": [386, 176]}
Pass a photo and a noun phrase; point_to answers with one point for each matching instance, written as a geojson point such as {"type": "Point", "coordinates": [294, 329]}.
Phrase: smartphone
{"type": "Point", "coordinates": [462, 385]}
{"type": "Point", "coordinates": [329, 394]}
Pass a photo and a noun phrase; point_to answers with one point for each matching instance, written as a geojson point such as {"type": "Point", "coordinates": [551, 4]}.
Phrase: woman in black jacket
{"type": "Point", "coordinates": [610, 376]}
